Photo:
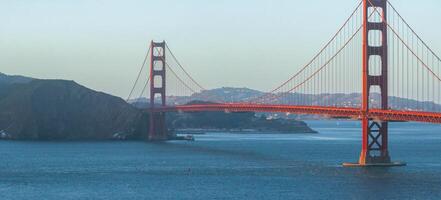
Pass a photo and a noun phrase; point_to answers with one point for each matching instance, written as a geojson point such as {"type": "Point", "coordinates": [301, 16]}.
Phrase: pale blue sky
{"type": "Point", "coordinates": [101, 43]}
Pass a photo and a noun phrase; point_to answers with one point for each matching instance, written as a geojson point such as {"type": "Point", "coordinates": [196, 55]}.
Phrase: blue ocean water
{"type": "Point", "coordinates": [226, 166]}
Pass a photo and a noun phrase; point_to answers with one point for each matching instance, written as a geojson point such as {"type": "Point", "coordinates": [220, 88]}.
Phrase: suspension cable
{"type": "Point", "coordinates": [183, 69]}
{"type": "Point", "coordinates": [139, 74]}
{"type": "Point", "coordinates": [315, 57]}
{"type": "Point", "coordinates": [413, 31]}
{"type": "Point", "coordinates": [407, 46]}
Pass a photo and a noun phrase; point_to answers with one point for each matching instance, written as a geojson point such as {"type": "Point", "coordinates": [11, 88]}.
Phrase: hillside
{"type": "Point", "coordinates": [59, 109]}
{"type": "Point", "coordinates": [238, 122]}
{"type": "Point", "coordinates": [228, 94]}
{"type": "Point", "coordinates": [12, 79]}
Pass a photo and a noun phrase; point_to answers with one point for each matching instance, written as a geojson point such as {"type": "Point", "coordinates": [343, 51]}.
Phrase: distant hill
{"type": "Point", "coordinates": [224, 94]}
{"type": "Point", "coordinates": [239, 121]}
{"type": "Point", "coordinates": [59, 109]}
{"type": "Point", "coordinates": [228, 94]}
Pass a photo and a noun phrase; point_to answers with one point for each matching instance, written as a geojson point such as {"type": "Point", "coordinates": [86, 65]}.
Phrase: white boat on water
{"type": "Point", "coordinates": [3, 134]}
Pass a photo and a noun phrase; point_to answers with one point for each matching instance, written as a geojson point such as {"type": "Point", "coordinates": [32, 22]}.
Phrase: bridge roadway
{"type": "Point", "coordinates": [342, 112]}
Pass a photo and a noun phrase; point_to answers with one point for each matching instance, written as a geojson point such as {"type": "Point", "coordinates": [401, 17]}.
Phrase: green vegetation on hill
{"type": "Point", "coordinates": [235, 122]}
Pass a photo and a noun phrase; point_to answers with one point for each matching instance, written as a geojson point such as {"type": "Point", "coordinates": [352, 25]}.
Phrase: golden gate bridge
{"type": "Point", "coordinates": [375, 52]}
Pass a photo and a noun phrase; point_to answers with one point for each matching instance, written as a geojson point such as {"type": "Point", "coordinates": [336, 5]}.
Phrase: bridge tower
{"type": "Point", "coordinates": [158, 129]}
{"type": "Point", "coordinates": [374, 150]}
{"type": "Point", "coordinates": [374, 141]}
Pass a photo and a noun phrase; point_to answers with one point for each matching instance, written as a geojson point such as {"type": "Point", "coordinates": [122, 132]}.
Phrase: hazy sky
{"type": "Point", "coordinates": [101, 43]}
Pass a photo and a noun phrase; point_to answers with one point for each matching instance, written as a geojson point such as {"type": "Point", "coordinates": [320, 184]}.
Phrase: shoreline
{"type": "Point", "coordinates": [238, 131]}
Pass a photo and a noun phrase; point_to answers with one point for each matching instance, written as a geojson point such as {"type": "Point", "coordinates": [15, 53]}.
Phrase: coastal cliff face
{"type": "Point", "coordinates": [58, 109]}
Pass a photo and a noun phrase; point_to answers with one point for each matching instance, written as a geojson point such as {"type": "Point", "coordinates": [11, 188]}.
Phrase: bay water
{"type": "Point", "coordinates": [226, 166]}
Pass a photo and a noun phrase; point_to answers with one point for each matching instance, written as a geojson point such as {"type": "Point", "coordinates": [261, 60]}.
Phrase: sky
{"type": "Point", "coordinates": [240, 43]}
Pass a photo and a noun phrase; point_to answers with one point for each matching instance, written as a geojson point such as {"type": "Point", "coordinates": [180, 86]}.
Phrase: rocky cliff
{"type": "Point", "coordinates": [59, 109]}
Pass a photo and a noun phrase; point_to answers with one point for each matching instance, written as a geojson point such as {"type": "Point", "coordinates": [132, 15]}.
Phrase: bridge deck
{"type": "Point", "coordinates": [354, 113]}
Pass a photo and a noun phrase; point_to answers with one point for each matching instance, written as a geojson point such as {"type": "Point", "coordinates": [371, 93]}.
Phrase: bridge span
{"type": "Point", "coordinates": [375, 53]}
{"type": "Point", "coordinates": [328, 112]}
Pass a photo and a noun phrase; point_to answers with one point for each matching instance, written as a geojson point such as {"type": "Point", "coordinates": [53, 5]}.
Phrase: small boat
{"type": "Point", "coordinates": [186, 137]}
{"type": "Point", "coordinates": [189, 137]}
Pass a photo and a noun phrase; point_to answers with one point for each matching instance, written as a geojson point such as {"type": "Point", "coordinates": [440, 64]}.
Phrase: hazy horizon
{"type": "Point", "coordinates": [101, 44]}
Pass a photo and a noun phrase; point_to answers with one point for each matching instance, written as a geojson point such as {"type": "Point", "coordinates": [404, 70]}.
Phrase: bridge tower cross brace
{"type": "Point", "coordinates": [158, 129]}
{"type": "Point", "coordinates": [374, 133]}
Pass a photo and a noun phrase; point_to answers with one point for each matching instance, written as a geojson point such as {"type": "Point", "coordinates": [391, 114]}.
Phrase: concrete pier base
{"type": "Point", "coordinates": [389, 164]}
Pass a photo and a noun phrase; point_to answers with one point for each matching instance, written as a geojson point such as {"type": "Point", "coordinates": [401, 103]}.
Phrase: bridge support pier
{"type": "Point", "coordinates": [374, 143]}
{"type": "Point", "coordinates": [158, 129]}
{"type": "Point", "coordinates": [374, 150]}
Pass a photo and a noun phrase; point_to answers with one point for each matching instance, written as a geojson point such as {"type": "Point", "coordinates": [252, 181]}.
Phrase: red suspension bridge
{"type": "Point", "coordinates": [374, 53]}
